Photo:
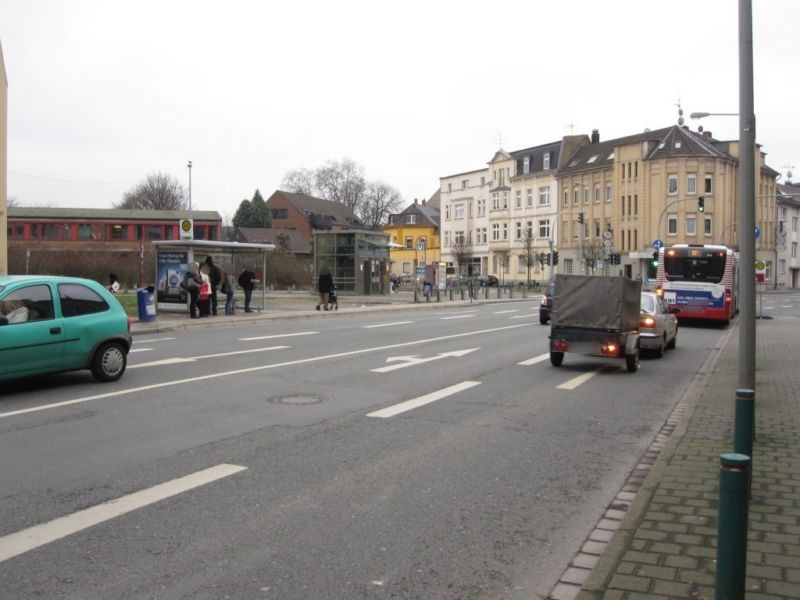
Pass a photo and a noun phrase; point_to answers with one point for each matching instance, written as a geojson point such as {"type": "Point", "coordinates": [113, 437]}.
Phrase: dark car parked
{"type": "Point", "coordinates": [546, 305]}
{"type": "Point", "coordinates": [488, 280]}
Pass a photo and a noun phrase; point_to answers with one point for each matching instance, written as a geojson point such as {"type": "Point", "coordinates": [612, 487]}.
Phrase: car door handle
{"type": "Point", "coordinates": [55, 330]}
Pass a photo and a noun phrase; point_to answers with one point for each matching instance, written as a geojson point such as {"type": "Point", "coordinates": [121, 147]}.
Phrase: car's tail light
{"type": "Point", "coordinates": [560, 346]}
{"type": "Point", "coordinates": [648, 322]}
{"type": "Point", "coordinates": [660, 291]}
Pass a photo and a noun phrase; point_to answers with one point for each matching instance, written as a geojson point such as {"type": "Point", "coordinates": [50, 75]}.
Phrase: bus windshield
{"type": "Point", "coordinates": [703, 266]}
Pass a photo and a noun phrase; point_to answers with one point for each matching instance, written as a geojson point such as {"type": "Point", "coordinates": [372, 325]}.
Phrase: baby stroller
{"type": "Point", "coordinates": [333, 300]}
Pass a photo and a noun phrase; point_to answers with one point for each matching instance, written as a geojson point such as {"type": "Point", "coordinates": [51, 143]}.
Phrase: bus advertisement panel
{"type": "Point", "coordinates": [699, 281]}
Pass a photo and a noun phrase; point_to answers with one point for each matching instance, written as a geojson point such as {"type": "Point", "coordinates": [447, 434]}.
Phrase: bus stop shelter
{"type": "Point", "coordinates": [174, 256]}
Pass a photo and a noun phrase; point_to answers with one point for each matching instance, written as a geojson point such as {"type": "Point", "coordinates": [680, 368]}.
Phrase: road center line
{"type": "Point", "coordinates": [387, 324]}
{"type": "Point", "coordinates": [28, 539]}
{"type": "Point", "coordinates": [279, 365]}
{"type": "Point", "coordinates": [457, 317]}
{"type": "Point", "coordinates": [278, 335]}
{"type": "Point", "coordinates": [580, 379]}
{"type": "Point", "coordinates": [391, 411]}
{"type": "Point", "coordinates": [178, 360]}
{"type": "Point", "coordinates": [534, 360]}
{"type": "Point", "coordinates": [505, 312]}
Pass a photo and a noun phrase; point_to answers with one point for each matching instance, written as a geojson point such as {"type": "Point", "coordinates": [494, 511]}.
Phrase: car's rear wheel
{"type": "Point", "coordinates": [661, 347]}
{"type": "Point", "coordinates": [556, 358]}
{"type": "Point", "coordinates": [109, 362]}
{"type": "Point", "coordinates": [674, 341]}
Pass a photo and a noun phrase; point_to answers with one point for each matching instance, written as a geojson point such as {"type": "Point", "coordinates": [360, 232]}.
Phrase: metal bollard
{"type": "Point", "coordinates": [511, 292]}
{"type": "Point", "coordinates": [451, 294]}
{"type": "Point", "coordinates": [462, 293]}
{"type": "Point", "coordinates": [438, 295]}
{"type": "Point", "coordinates": [734, 479]}
{"type": "Point", "coordinates": [744, 425]}
{"type": "Point", "coordinates": [415, 297]}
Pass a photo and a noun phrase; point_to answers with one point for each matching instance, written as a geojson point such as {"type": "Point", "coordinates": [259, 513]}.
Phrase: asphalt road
{"type": "Point", "coordinates": [422, 454]}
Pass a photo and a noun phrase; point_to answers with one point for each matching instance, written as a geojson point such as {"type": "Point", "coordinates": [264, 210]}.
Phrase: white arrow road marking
{"type": "Point", "coordinates": [423, 400]}
{"type": "Point", "coordinates": [534, 360]}
{"type": "Point", "coordinates": [23, 541]}
{"type": "Point", "coordinates": [388, 324]}
{"type": "Point", "coordinates": [409, 361]}
{"type": "Point", "coordinates": [280, 335]}
{"type": "Point", "coordinates": [576, 381]}
{"type": "Point", "coordinates": [177, 360]}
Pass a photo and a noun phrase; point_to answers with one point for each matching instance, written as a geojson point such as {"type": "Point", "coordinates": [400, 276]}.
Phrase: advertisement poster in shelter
{"type": "Point", "coordinates": [171, 269]}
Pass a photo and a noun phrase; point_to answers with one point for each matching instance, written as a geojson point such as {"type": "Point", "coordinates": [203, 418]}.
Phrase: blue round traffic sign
{"type": "Point", "coordinates": [658, 244]}
{"type": "Point", "coordinates": [758, 233]}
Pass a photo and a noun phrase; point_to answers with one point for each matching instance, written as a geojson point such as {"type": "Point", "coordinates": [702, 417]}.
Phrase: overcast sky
{"type": "Point", "coordinates": [102, 93]}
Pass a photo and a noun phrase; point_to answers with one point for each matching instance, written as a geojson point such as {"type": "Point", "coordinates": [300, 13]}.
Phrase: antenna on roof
{"type": "Point", "coordinates": [788, 166]}
{"type": "Point", "coordinates": [680, 112]}
{"type": "Point", "coordinates": [499, 139]}
{"type": "Point", "coordinates": [571, 125]}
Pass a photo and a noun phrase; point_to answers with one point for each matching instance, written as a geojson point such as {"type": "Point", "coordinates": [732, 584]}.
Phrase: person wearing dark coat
{"type": "Point", "coordinates": [215, 277]}
{"type": "Point", "coordinates": [324, 286]}
{"type": "Point", "coordinates": [191, 283]}
{"type": "Point", "coordinates": [247, 283]}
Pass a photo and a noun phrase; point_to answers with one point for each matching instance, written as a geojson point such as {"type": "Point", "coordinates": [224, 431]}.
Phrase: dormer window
{"type": "Point", "coordinates": [526, 165]}
{"type": "Point", "coordinates": [411, 219]}
{"type": "Point", "coordinates": [546, 158]}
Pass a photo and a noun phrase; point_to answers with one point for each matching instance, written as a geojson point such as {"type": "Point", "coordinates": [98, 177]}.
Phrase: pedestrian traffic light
{"type": "Point", "coordinates": [580, 218]}
{"type": "Point", "coordinates": [555, 257]}
{"type": "Point", "coordinates": [655, 259]}
{"type": "Point", "coordinates": [615, 258]}
{"type": "Point", "coordinates": [701, 204]}
{"type": "Point", "coordinates": [546, 258]}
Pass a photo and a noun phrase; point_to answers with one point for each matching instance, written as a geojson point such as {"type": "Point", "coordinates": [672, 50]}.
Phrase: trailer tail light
{"type": "Point", "coordinates": [660, 291]}
{"type": "Point", "coordinates": [609, 349]}
{"type": "Point", "coordinates": [728, 298]}
{"type": "Point", "coordinates": [560, 346]}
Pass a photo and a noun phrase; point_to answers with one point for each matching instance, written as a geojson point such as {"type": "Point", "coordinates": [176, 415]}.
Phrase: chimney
{"type": "Point", "coordinates": [423, 202]}
{"type": "Point", "coordinates": [415, 200]}
{"type": "Point", "coordinates": [707, 134]}
{"type": "Point", "coordinates": [595, 136]}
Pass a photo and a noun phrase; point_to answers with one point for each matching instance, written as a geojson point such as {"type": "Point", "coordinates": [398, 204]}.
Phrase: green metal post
{"type": "Point", "coordinates": [734, 480]}
{"type": "Point", "coordinates": [744, 425]}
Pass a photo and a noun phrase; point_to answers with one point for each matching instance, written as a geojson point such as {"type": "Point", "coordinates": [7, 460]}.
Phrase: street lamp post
{"type": "Point", "coordinates": [189, 166]}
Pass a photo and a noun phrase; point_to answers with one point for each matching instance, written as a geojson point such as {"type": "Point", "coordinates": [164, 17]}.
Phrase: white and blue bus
{"type": "Point", "coordinates": [701, 281]}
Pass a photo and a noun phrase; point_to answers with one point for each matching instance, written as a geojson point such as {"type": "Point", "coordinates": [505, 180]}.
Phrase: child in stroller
{"type": "Point", "coordinates": [333, 300]}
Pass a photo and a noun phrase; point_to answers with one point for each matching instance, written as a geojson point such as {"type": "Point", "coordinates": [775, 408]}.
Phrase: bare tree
{"type": "Point", "coordinates": [157, 192]}
{"type": "Point", "coordinates": [300, 181]}
{"type": "Point", "coordinates": [380, 201]}
{"type": "Point", "coordinates": [462, 252]}
{"type": "Point", "coordinates": [342, 181]}
{"type": "Point", "coordinates": [528, 254]}
{"type": "Point", "coordinates": [593, 253]}
{"type": "Point", "coordinates": [12, 201]}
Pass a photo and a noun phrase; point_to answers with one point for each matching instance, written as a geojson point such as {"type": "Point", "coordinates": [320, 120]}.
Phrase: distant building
{"type": "Point", "coordinates": [306, 214]}
{"type": "Point", "coordinates": [787, 273]}
{"type": "Point", "coordinates": [417, 226]}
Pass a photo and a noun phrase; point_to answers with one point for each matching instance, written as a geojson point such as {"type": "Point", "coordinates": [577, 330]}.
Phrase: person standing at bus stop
{"type": "Point", "coordinates": [324, 286]}
{"type": "Point", "coordinates": [246, 281]}
{"type": "Point", "coordinates": [214, 276]}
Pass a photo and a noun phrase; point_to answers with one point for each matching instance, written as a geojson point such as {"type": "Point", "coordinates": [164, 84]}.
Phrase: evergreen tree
{"type": "Point", "coordinates": [244, 214]}
{"type": "Point", "coordinates": [262, 217]}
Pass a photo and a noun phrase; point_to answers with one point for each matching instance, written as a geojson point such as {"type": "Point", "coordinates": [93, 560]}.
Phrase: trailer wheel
{"type": "Point", "coordinates": [632, 361]}
{"type": "Point", "coordinates": [556, 358]}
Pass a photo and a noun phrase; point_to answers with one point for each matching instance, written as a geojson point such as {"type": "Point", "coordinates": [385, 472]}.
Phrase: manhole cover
{"type": "Point", "coordinates": [297, 399]}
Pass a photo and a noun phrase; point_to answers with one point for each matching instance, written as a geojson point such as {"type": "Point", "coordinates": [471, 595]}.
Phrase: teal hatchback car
{"type": "Point", "coordinates": [52, 324]}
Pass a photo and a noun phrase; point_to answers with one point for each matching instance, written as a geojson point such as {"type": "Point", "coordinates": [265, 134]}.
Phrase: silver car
{"type": "Point", "coordinates": [658, 327]}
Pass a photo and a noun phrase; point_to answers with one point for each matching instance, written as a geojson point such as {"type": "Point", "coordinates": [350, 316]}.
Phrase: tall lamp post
{"type": "Point", "coordinates": [747, 192]}
{"type": "Point", "coordinates": [189, 166]}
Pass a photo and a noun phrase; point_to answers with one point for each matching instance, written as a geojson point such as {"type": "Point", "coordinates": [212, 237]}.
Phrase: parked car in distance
{"type": "Point", "coordinates": [658, 327]}
{"type": "Point", "coordinates": [53, 324]}
{"type": "Point", "coordinates": [546, 305]}
{"type": "Point", "coordinates": [488, 280]}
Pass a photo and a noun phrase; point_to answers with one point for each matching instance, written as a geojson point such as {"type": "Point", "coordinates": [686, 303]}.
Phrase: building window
{"type": "Point", "coordinates": [546, 158]}
{"type": "Point", "coordinates": [794, 224]}
{"type": "Point", "coordinates": [119, 232]}
{"type": "Point", "coordinates": [586, 195]}
{"type": "Point", "coordinates": [496, 201]}
{"type": "Point", "coordinates": [505, 199]}
{"type": "Point", "coordinates": [464, 184]}
{"type": "Point", "coordinates": [458, 238]}
{"type": "Point", "coordinates": [691, 184]}
{"type": "Point", "coordinates": [782, 267]}
{"type": "Point", "coordinates": [411, 219]}
{"type": "Point", "coordinates": [568, 266]}
{"type": "Point", "coordinates": [709, 189]}
{"type": "Point", "coordinates": [597, 193]}
{"type": "Point", "coordinates": [481, 207]}
{"type": "Point", "coordinates": [608, 192]}
{"type": "Point", "coordinates": [482, 238]}
{"type": "Point", "coordinates": [495, 232]}
{"type": "Point", "coordinates": [519, 230]}
{"type": "Point", "coordinates": [458, 210]}
{"type": "Point", "coordinates": [409, 242]}
{"type": "Point", "coordinates": [279, 213]}
{"type": "Point", "coordinates": [446, 212]}
{"type": "Point", "coordinates": [576, 196]}
{"type": "Point", "coordinates": [672, 225]}
{"type": "Point", "coordinates": [526, 165]}
{"type": "Point", "coordinates": [519, 199]}
{"type": "Point", "coordinates": [544, 196]}
{"type": "Point", "coordinates": [483, 180]}
{"type": "Point", "coordinates": [672, 185]}
{"type": "Point", "coordinates": [505, 231]}
{"type": "Point", "coordinates": [597, 228]}
{"type": "Point", "coordinates": [449, 187]}
{"type": "Point", "coordinates": [529, 193]}
{"type": "Point", "coordinates": [566, 198]}
{"type": "Point", "coordinates": [707, 229]}
{"type": "Point", "coordinates": [794, 249]}
{"type": "Point", "coordinates": [691, 225]}
{"type": "Point", "coordinates": [544, 228]}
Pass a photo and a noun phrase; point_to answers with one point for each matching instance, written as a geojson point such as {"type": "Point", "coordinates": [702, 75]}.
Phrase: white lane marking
{"type": "Point", "coordinates": [524, 317]}
{"type": "Point", "coordinates": [155, 340]}
{"type": "Point", "coordinates": [279, 365]}
{"type": "Point", "coordinates": [28, 539]}
{"type": "Point", "coordinates": [576, 381]}
{"type": "Point", "coordinates": [534, 360]}
{"type": "Point", "coordinates": [504, 312]}
{"type": "Point", "coordinates": [387, 324]}
{"type": "Point", "coordinates": [458, 317]}
{"type": "Point", "coordinates": [408, 361]}
{"type": "Point", "coordinates": [178, 360]}
{"type": "Point", "coordinates": [279, 335]}
{"type": "Point", "coordinates": [132, 350]}
{"type": "Point", "coordinates": [423, 400]}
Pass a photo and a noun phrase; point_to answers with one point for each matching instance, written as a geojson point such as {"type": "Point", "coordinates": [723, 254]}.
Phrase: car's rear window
{"type": "Point", "coordinates": [77, 299]}
{"type": "Point", "coordinates": [648, 304]}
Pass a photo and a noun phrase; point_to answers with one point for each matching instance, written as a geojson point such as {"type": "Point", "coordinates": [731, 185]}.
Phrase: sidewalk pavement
{"type": "Point", "coordinates": [658, 537]}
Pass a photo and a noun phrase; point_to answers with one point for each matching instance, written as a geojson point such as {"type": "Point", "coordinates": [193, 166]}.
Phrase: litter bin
{"type": "Point", "coordinates": [145, 298]}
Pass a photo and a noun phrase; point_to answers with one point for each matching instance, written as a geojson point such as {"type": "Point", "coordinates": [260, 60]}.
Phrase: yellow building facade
{"type": "Point", "coordinates": [415, 238]}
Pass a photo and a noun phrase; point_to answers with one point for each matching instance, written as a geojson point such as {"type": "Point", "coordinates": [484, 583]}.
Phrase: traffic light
{"type": "Point", "coordinates": [580, 218]}
{"type": "Point", "coordinates": [615, 258]}
{"type": "Point", "coordinates": [701, 204]}
{"type": "Point", "coordinates": [655, 259]}
{"type": "Point", "coordinates": [555, 257]}
{"type": "Point", "coordinates": [546, 258]}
